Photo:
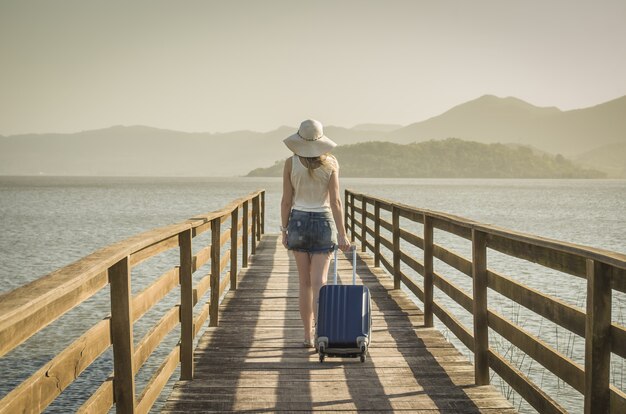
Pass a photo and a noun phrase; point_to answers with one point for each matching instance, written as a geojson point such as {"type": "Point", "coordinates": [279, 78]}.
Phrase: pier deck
{"type": "Point", "coordinates": [254, 360]}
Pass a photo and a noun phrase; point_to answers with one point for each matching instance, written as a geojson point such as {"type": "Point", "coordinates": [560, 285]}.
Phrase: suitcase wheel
{"type": "Point", "coordinates": [322, 356]}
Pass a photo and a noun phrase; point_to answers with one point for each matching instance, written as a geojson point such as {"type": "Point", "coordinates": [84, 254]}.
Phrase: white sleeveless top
{"type": "Point", "coordinates": [311, 190]}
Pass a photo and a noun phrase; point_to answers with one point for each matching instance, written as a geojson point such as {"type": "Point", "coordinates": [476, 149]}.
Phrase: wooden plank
{"type": "Point", "coordinates": [244, 236]}
{"type": "Point", "coordinates": [29, 308]}
{"type": "Point", "coordinates": [452, 259]}
{"type": "Point", "coordinates": [363, 224]}
{"type": "Point", "coordinates": [535, 348]}
{"type": "Point", "coordinates": [386, 225]}
{"type": "Point", "coordinates": [545, 256]}
{"type": "Point", "coordinates": [234, 268]}
{"type": "Point", "coordinates": [201, 288]}
{"type": "Point", "coordinates": [618, 339]}
{"type": "Point", "coordinates": [564, 251]}
{"type": "Point", "coordinates": [158, 381]}
{"type": "Point", "coordinates": [153, 250]}
{"type": "Point", "coordinates": [386, 243]}
{"type": "Point", "coordinates": [145, 300]}
{"type": "Point", "coordinates": [618, 400]}
{"type": "Point", "coordinates": [412, 262]}
{"type": "Point", "coordinates": [201, 258]}
{"type": "Point", "coordinates": [410, 213]}
{"type": "Point", "coordinates": [597, 338]}
{"type": "Point", "coordinates": [412, 238]}
{"type": "Point", "coordinates": [376, 233]}
{"type": "Point", "coordinates": [122, 336]}
{"type": "Point", "coordinates": [528, 390]}
{"type": "Point", "coordinates": [455, 326]}
{"type": "Point", "coordinates": [412, 286]}
{"type": "Point", "coordinates": [41, 388]}
{"type": "Point", "coordinates": [427, 271]}
{"type": "Point", "coordinates": [548, 307]}
{"type": "Point", "coordinates": [201, 318]}
{"type": "Point", "coordinates": [153, 338]}
{"type": "Point", "coordinates": [17, 328]}
{"type": "Point", "coordinates": [224, 237]}
{"type": "Point", "coordinates": [460, 229]}
{"type": "Point", "coordinates": [397, 253]}
{"type": "Point", "coordinates": [100, 401]}
{"type": "Point", "coordinates": [386, 264]}
{"type": "Point", "coordinates": [224, 284]}
{"type": "Point", "coordinates": [479, 291]}
{"type": "Point", "coordinates": [455, 293]}
{"type": "Point", "coordinates": [254, 360]}
{"type": "Point", "coordinates": [225, 260]}
{"type": "Point", "coordinates": [215, 271]}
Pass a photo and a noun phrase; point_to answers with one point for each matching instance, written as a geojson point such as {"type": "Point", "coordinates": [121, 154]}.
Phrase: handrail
{"type": "Point", "coordinates": [604, 271]}
{"type": "Point", "coordinates": [30, 308]}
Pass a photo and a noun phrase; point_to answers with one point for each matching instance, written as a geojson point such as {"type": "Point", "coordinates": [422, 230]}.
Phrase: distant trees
{"type": "Point", "coordinates": [450, 158]}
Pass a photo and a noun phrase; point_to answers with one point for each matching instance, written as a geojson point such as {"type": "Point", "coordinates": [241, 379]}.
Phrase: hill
{"type": "Point", "coordinates": [450, 158]}
{"type": "Point", "coordinates": [609, 158]}
{"type": "Point", "coordinates": [491, 119]}
{"type": "Point", "coordinates": [147, 151]}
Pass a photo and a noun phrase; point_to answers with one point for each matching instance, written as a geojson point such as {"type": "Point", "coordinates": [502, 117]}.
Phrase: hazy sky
{"type": "Point", "coordinates": [67, 66]}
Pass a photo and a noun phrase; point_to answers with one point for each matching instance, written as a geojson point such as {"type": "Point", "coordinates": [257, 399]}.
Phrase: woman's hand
{"type": "Point", "coordinates": [285, 239]}
{"type": "Point", "coordinates": [343, 243]}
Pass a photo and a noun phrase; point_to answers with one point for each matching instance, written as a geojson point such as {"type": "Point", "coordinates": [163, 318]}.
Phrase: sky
{"type": "Point", "coordinates": [217, 66]}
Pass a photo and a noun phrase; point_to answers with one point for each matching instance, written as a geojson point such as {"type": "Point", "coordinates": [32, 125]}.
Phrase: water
{"type": "Point", "coordinates": [47, 222]}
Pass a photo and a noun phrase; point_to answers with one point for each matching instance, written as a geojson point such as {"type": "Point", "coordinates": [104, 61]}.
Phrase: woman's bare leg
{"type": "Point", "coordinates": [319, 272]}
{"type": "Point", "coordinates": [305, 297]}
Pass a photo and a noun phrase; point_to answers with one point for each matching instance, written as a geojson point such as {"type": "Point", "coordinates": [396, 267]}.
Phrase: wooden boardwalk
{"type": "Point", "coordinates": [254, 360]}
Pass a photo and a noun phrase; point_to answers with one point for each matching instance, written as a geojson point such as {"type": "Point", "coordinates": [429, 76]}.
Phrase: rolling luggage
{"type": "Point", "coordinates": [344, 318]}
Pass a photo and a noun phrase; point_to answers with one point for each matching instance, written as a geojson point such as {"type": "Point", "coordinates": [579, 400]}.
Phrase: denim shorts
{"type": "Point", "coordinates": [311, 232]}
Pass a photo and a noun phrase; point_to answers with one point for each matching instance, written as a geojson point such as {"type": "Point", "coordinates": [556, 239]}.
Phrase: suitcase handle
{"type": "Point", "coordinates": [353, 248]}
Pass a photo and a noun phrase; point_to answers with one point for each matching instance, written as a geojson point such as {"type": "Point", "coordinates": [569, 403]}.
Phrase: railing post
{"type": "Point", "coordinates": [122, 336]}
{"type": "Point", "coordinates": [186, 306]}
{"type": "Point", "coordinates": [598, 338]}
{"type": "Point", "coordinates": [234, 225]}
{"type": "Point", "coordinates": [363, 225]}
{"type": "Point", "coordinates": [255, 214]}
{"type": "Point", "coordinates": [262, 213]}
{"type": "Point", "coordinates": [352, 235]}
{"type": "Point", "coordinates": [216, 251]}
{"type": "Point", "coordinates": [428, 271]}
{"type": "Point", "coordinates": [258, 217]}
{"type": "Point", "coordinates": [377, 233]}
{"type": "Point", "coordinates": [395, 215]}
{"type": "Point", "coordinates": [479, 291]}
{"type": "Point", "coordinates": [346, 216]}
{"type": "Point", "coordinates": [244, 236]}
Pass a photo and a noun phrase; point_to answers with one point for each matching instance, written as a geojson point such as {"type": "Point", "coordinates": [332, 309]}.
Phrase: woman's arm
{"type": "Point", "coordinates": [287, 200]}
{"type": "Point", "coordinates": [337, 208]}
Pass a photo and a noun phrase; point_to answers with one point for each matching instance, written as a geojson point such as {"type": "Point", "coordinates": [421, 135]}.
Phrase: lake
{"type": "Point", "coordinates": [49, 222]}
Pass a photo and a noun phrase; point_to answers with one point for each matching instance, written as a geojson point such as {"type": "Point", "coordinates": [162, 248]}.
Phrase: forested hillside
{"type": "Point", "coordinates": [450, 158]}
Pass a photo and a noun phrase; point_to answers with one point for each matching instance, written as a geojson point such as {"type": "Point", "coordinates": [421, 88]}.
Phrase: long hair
{"type": "Point", "coordinates": [316, 162]}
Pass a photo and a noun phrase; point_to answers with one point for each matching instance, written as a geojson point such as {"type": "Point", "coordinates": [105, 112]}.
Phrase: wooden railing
{"type": "Point", "coordinates": [604, 271]}
{"type": "Point", "coordinates": [28, 309]}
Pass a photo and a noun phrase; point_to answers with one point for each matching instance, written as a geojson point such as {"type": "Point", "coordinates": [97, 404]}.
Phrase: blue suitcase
{"type": "Point", "coordinates": [344, 318]}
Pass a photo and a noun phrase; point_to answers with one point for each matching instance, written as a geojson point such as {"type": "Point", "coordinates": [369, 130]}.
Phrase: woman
{"type": "Point", "coordinates": [311, 214]}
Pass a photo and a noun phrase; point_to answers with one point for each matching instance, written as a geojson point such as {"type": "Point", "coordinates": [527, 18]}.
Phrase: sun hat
{"type": "Point", "coordinates": [310, 140]}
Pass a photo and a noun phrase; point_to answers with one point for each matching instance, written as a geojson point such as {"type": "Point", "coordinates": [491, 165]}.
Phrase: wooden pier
{"type": "Point", "coordinates": [255, 362]}
{"type": "Point", "coordinates": [236, 290]}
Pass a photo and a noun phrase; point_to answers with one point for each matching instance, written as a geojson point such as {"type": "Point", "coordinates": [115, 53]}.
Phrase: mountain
{"type": "Point", "coordinates": [491, 119]}
{"type": "Point", "coordinates": [376, 127]}
{"type": "Point", "coordinates": [450, 158]}
{"type": "Point", "coordinates": [609, 158]}
{"type": "Point", "coordinates": [147, 151]}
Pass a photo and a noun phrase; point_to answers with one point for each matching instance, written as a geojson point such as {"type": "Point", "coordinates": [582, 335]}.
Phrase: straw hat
{"type": "Point", "coordinates": [309, 141]}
